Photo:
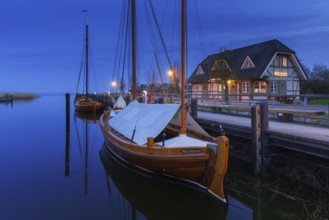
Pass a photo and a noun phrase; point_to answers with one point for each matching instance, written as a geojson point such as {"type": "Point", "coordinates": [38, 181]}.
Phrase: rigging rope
{"type": "Point", "coordinates": [160, 34]}
{"type": "Point", "coordinates": [201, 38]}
{"type": "Point", "coordinates": [81, 67]}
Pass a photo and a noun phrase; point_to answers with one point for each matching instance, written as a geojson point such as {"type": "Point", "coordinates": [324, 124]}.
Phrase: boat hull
{"type": "Point", "coordinates": [151, 194]}
{"type": "Point", "coordinates": [194, 164]}
{"type": "Point", "coordinates": [83, 105]}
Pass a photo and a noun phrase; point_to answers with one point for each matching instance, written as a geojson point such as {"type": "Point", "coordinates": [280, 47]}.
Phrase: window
{"type": "Point", "coordinates": [276, 61]}
{"type": "Point", "coordinates": [259, 87]}
{"type": "Point", "coordinates": [219, 88]}
{"type": "Point", "coordinates": [274, 88]}
{"type": "Point", "coordinates": [280, 64]}
{"type": "Point", "coordinates": [280, 61]}
{"type": "Point", "coordinates": [284, 61]}
{"type": "Point", "coordinates": [278, 72]}
{"type": "Point", "coordinates": [245, 87]}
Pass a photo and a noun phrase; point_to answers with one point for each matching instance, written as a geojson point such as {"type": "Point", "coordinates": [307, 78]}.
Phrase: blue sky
{"type": "Point", "coordinates": [41, 41]}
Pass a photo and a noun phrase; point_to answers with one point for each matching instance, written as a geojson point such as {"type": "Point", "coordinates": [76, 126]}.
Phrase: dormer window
{"type": "Point", "coordinates": [280, 61]}
{"type": "Point", "coordinates": [199, 71]}
{"type": "Point", "coordinates": [247, 64]}
{"type": "Point", "coordinates": [280, 64]}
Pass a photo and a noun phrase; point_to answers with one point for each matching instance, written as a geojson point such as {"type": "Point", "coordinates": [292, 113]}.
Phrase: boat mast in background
{"type": "Point", "coordinates": [133, 43]}
{"type": "Point", "coordinates": [183, 128]}
{"type": "Point", "coordinates": [87, 51]}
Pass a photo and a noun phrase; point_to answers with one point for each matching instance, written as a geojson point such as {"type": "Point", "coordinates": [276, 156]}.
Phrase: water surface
{"type": "Point", "coordinates": [51, 171]}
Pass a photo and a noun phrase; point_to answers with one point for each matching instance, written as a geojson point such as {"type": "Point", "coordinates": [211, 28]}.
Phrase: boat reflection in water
{"type": "Point", "coordinates": [157, 197]}
{"type": "Point", "coordinates": [92, 117]}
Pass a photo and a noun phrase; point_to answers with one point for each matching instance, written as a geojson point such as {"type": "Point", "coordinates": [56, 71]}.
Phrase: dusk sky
{"type": "Point", "coordinates": [41, 41]}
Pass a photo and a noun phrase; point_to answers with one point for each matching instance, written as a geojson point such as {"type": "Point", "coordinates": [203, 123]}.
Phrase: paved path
{"type": "Point", "coordinates": [299, 130]}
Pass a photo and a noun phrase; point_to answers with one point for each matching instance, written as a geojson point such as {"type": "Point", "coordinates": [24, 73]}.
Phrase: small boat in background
{"type": "Point", "coordinates": [85, 103]}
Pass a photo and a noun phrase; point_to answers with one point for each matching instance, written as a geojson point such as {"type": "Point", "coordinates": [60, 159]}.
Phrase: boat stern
{"type": "Point", "coordinates": [221, 150]}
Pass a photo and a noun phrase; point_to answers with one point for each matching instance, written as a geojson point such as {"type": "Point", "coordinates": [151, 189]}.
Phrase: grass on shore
{"type": "Point", "coordinates": [18, 95]}
{"type": "Point", "coordinates": [319, 101]}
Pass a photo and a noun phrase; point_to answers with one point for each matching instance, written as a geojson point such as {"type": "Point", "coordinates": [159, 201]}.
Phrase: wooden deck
{"type": "Point", "coordinates": [299, 137]}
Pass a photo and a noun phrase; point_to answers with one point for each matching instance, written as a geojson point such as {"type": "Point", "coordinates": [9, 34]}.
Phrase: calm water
{"type": "Point", "coordinates": [48, 173]}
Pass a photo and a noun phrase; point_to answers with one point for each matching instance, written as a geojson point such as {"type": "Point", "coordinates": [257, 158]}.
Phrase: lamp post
{"type": "Point", "coordinates": [113, 85]}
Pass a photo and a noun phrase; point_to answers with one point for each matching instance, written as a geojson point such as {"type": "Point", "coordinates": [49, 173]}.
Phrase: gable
{"type": "Point", "coordinates": [247, 63]}
{"type": "Point", "coordinates": [220, 64]}
{"type": "Point", "coordinates": [199, 71]}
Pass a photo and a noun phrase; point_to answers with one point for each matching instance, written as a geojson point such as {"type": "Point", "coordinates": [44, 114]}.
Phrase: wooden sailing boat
{"type": "Point", "coordinates": [85, 103]}
{"type": "Point", "coordinates": [140, 133]}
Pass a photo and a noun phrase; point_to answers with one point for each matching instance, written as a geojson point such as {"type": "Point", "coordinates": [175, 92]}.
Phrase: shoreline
{"type": "Point", "coordinates": [17, 95]}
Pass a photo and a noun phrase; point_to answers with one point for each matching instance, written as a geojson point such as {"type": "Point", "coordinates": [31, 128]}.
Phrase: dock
{"type": "Point", "coordinates": [305, 138]}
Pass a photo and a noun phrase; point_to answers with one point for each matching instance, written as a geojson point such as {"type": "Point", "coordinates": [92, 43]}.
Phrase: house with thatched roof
{"type": "Point", "coordinates": [253, 72]}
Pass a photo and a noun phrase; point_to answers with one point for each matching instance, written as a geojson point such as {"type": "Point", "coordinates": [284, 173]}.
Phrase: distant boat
{"type": "Point", "coordinates": [164, 139]}
{"type": "Point", "coordinates": [85, 103]}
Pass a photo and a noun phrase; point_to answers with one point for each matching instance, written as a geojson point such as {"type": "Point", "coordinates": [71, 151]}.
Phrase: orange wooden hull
{"type": "Point", "coordinates": [83, 105]}
{"type": "Point", "coordinates": [196, 164]}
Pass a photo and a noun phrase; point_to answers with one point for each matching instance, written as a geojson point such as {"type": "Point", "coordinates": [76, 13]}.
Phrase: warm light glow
{"type": "Point", "coordinates": [170, 73]}
{"type": "Point", "coordinates": [228, 81]}
{"type": "Point", "coordinates": [280, 74]}
{"type": "Point", "coordinates": [114, 83]}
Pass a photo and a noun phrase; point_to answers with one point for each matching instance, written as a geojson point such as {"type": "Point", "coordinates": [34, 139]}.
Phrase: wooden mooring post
{"type": "Point", "coordinates": [259, 125]}
{"type": "Point", "coordinates": [67, 136]}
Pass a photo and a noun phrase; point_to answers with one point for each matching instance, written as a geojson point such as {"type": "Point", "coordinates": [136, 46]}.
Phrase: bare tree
{"type": "Point", "coordinates": [222, 71]}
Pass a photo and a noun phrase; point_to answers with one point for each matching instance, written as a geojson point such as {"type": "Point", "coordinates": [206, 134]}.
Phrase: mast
{"type": "Point", "coordinates": [87, 51]}
{"type": "Point", "coordinates": [183, 128]}
{"type": "Point", "coordinates": [133, 43]}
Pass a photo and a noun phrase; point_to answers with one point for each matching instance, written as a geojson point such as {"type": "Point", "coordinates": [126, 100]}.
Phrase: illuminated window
{"type": "Point", "coordinates": [245, 87]}
{"type": "Point", "coordinates": [284, 61]}
{"type": "Point", "coordinates": [219, 87]}
{"type": "Point", "coordinates": [259, 87]}
{"type": "Point", "coordinates": [280, 73]}
{"type": "Point", "coordinates": [276, 61]}
{"type": "Point", "coordinates": [280, 61]}
{"type": "Point", "coordinates": [274, 88]}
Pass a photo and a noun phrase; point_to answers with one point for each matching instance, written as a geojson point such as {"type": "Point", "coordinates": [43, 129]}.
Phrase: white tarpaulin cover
{"type": "Point", "coordinates": [148, 120]}
{"type": "Point", "coordinates": [184, 141]}
{"type": "Point", "coordinates": [119, 103]}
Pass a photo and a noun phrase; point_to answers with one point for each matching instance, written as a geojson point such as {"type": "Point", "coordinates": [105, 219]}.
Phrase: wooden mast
{"type": "Point", "coordinates": [183, 128]}
{"type": "Point", "coordinates": [133, 43]}
{"type": "Point", "coordinates": [87, 64]}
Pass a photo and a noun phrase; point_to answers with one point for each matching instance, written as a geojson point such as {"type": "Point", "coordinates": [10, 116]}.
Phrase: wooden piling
{"type": "Point", "coordinates": [256, 138]}
{"type": "Point", "coordinates": [67, 146]}
{"type": "Point", "coordinates": [259, 125]}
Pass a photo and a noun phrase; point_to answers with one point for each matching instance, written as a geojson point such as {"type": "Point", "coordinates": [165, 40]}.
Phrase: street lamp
{"type": "Point", "coordinates": [170, 73]}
